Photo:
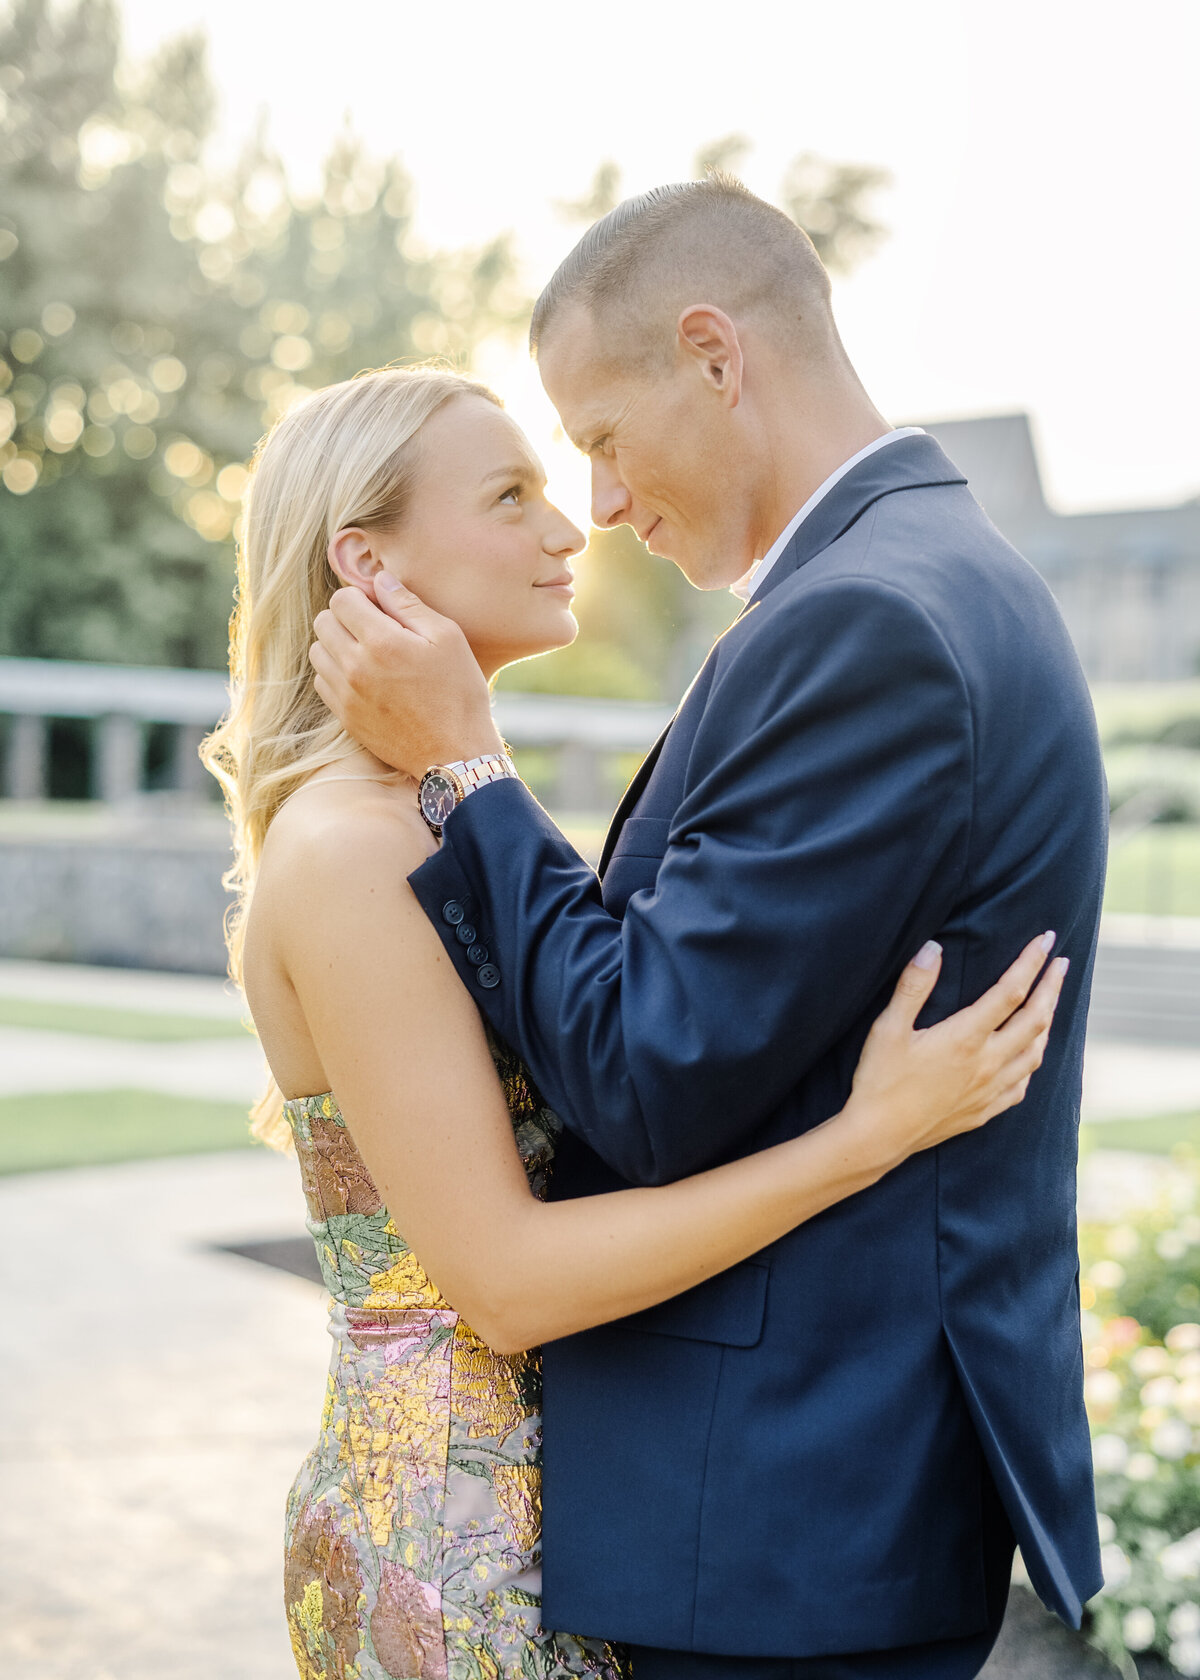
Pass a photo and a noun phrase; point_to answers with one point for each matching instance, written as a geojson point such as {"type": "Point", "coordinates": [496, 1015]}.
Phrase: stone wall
{"type": "Point", "coordinates": [136, 894]}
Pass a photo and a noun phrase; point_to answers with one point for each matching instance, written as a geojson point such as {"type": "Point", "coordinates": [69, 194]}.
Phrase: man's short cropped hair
{"type": "Point", "coordinates": [694, 242]}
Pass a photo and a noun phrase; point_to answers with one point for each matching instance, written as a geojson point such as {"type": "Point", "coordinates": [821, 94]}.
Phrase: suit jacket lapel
{"type": "Point", "coordinates": [908, 464]}
{"type": "Point", "coordinates": [633, 793]}
{"type": "Point", "coordinates": [631, 796]}
{"type": "Point", "coordinates": [911, 463]}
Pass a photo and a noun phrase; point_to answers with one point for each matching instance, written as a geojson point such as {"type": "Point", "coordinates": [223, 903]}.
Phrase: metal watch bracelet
{"type": "Point", "coordinates": [477, 772]}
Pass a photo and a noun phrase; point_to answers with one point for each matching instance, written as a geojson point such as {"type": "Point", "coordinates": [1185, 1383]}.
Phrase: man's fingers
{"type": "Point", "coordinates": [915, 985]}
{"type": "Point", "coordinates": [1010, 991]}
{"type": "Point", "coordinates": [322, 661]}
{"type": "Point", "coordinates": [333, 634]}
{"type": "Point", "coordinates": [399, 603]}
{"type": "Point", "coordinates": [354, 613]}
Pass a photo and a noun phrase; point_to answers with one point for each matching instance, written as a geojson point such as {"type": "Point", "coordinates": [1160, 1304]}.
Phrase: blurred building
{"type": "Point", "coordinates": [1128, 581]}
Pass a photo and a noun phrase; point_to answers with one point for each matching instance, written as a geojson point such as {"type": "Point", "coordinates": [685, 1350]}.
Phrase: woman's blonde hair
{"type": "Point", "coordinates": [346, 455]}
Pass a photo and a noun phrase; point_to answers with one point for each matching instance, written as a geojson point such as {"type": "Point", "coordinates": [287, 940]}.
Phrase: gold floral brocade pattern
{"type": "Point", "coordinates": [414, 1526]}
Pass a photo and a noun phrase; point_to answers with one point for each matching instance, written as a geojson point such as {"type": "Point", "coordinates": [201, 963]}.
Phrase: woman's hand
{"type": "Point", "coordinates": [916, 1087]}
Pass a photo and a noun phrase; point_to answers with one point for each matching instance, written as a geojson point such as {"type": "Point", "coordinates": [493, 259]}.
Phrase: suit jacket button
{"type": "Point", "coordinates": [465, 933]}
{"type": "Point", "coordinates": [478, 954]}
{"type": "Point", "coordinates": [488, 976]}
{"type": "Point", "coordinates": [453, 912]}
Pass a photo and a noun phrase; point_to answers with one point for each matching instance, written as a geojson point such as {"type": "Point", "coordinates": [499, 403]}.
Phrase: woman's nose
{"type": "Point", "coordinates": [566, 539]}
{"type": "Point", "coordinates": [563, 536]}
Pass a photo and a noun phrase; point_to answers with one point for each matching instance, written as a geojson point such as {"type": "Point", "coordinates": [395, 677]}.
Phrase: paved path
{"type": "Point", "coordinates": [221, 1068]}
{"type": "Point", "coordinates": [159, 1395]}
{"type": "Point", "coordinates": [1122, 1080]}
{"type": "Point", "coordinates": [157, 1400]}
{"type": "Point", "coordinates": [121, 988]}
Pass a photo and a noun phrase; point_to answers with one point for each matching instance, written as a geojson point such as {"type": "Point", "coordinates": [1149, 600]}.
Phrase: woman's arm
{"type": "Point", "coordinates": [403, 1048]}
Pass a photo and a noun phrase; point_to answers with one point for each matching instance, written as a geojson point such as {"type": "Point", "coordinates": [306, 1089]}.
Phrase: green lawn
{"type": "Point", "coordinates": [1143, 708]}
{"type": "Point", "coordinates": [1156, 872]}
{"type": "Point", "coordinates": [89, 1128]}
{"type": "Point", "coordinates": [115, 1023]}
{"type": "Point", "coordinates": [1157, 1136]}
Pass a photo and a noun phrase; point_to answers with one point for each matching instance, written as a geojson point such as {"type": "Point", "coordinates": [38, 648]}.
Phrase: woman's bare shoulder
{"type": "Point", "coordinates": [346, 825]}
{"type": "Point", "coordinates": [339, 851]}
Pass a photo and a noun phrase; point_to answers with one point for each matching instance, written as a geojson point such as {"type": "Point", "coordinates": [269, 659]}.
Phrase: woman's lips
{"type": "Point", "coordinates": [559, 586]}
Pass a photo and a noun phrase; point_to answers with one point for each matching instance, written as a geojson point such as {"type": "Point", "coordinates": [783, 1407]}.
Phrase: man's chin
{"type": "Point", "coordinates": [707, 571]}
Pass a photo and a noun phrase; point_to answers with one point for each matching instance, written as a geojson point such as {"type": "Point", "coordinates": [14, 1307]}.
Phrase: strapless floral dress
{"type": "Point", "coordinates": [413, 1528]}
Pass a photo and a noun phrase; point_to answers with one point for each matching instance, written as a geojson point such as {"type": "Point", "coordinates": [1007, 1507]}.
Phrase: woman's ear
{"type": "Point", "coordinates": [352, 556]}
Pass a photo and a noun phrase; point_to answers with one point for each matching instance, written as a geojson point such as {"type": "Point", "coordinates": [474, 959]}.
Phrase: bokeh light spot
{"type": "Point", "coordinates": [57, 319]}
{"type": "Point", "coordinates": [21, 475]}
{"type": "Point", "coordinates": [291, 353]}
{"type": "Point", "coordinates": [124, 395]}
{"type": "Point", "coordinates": [97, 441]}
{"type": "Point", "coordinates": [26, 345]}
{"type": "Point", "coordinates": [214, 222]}
{"type": "Point", "coordinates": [210, 515]}
{"type": "Point", "coordinates": [168, 373]}
{"type": "Point", "coordinates": [182, 458]}
{"type": "Point", "coordinates": [232, 481]}
{"type": "Point", "coordinates": [64, 428]}
{"type": "Point", "coordinates": [139, 442]}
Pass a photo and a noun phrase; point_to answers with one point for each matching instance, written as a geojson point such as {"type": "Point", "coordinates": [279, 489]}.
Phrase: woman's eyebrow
{"type": "Point", "coordinates": [523, 473]}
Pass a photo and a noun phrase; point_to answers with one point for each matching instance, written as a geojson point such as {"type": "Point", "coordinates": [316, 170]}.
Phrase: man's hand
{"type": "Point", "coordinates": [402, 679]}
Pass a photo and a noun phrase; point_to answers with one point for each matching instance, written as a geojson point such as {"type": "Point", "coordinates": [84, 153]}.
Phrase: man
{"type": "Point", "coordinates": [814, 1465]}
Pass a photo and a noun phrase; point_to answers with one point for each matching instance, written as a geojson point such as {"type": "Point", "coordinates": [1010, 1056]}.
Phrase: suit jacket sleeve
{"type": "Point", "coordinates": [821, 837]}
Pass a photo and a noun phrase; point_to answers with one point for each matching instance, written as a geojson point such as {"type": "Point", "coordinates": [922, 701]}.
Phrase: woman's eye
{"type": "Point", "coordinates": [513, 494]}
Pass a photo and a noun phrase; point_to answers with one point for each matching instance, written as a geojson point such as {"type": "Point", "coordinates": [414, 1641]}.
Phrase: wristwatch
{"type": "Point", "coordinates": [443, 786]}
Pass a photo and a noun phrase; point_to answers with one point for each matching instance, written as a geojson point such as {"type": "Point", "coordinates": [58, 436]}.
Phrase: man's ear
{"type": "Point", "coordinates": [353, 557]}
{"type": "Point", "coordinates": [708, 336]}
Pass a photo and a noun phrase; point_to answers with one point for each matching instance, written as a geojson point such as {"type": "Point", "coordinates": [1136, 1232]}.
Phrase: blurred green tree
{"type": "Point", "coordinates": [829, 201]}
{"type": "Point", "coordinates": [154, 321]}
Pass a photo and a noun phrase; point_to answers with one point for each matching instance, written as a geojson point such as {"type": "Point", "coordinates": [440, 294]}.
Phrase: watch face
{"type": "Point", "coordinates": [439, 796]}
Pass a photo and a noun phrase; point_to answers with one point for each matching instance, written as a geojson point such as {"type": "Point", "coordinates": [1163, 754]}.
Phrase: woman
{"type": "Point", "coordinates": [413, 1527]}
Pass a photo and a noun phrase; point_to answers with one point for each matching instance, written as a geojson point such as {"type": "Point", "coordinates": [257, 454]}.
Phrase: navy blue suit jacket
{"type": "Point", "coordinates": [894, 742]}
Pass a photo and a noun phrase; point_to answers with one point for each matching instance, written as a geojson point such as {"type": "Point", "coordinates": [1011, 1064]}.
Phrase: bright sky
{"type": "Point", "coordinates": [1045, 155]}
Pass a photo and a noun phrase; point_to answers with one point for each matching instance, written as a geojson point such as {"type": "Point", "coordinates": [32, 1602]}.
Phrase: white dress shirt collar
{"type": "Point", "coordinates": [748, 586]}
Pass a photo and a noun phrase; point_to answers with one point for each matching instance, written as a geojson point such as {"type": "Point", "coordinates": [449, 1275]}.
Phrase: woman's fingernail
{"type": "Point", "coordinates": [385, 581]}
{"type": "Point", "coordinates": [1062, 964]}
{"type": "Point", "coordinates": [928, 955]}
{"type": "Point", "coordinates": [1047, 942]}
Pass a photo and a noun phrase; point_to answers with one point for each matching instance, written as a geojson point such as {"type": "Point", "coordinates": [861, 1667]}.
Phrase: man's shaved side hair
{"type": "Point", "coordinates": [696, 242]}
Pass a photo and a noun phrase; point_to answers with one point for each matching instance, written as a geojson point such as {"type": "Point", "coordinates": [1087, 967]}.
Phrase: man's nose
{"type": "Point", "coordinates": [610, 498]}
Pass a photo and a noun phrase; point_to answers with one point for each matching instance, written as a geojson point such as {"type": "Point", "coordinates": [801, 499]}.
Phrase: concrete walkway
{"type": "Point", "coordinates": [159, 1395]}
{"type": "Point", "coordinates": [226, 1069]}
{"type": "Point", "coordinates": [158, 1398]}
{"type": "Point", "coordinates": [1122, 1081]}
{"type": "Point", "coordinates": [36, 1059]}
{"type": "Point", "coordinates": [121, 988]}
